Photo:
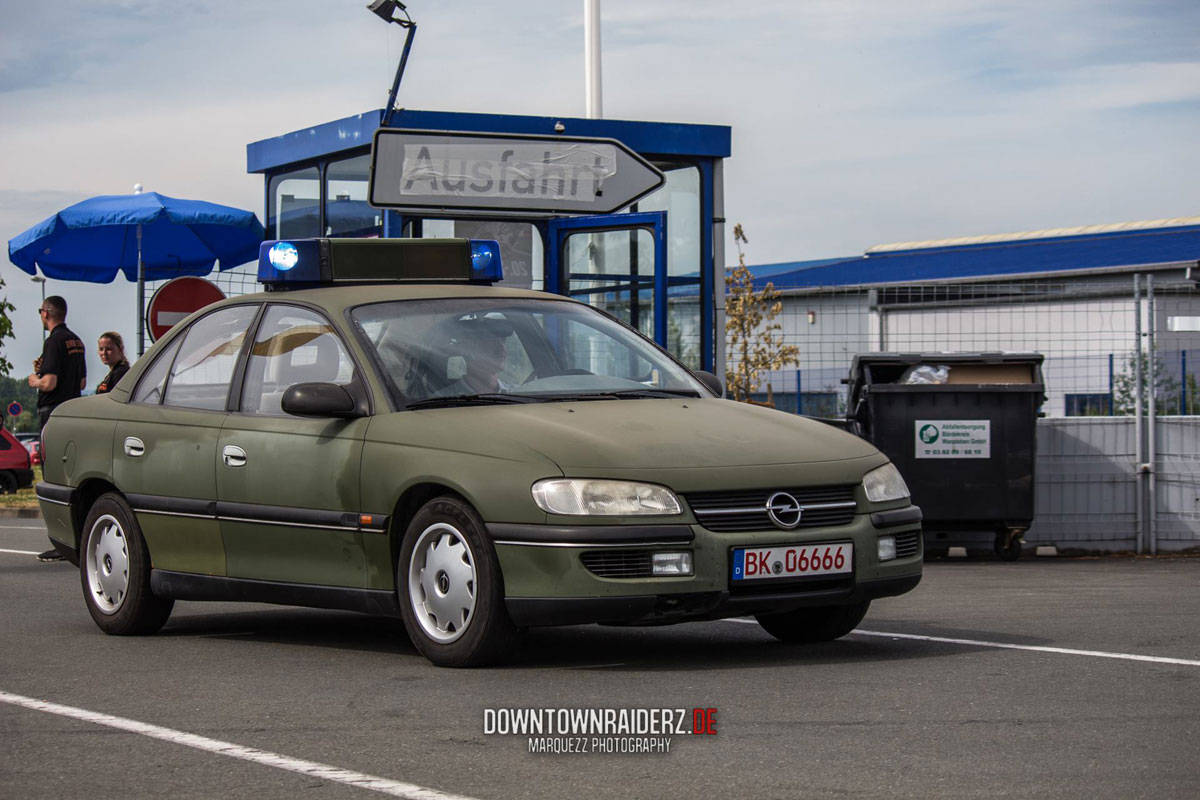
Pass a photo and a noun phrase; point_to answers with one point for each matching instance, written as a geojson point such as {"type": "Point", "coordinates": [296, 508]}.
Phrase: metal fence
{"type": "Point", "coordinates": [1088, 328]}
{"type": "Point", "coordinates": [1114, 470]}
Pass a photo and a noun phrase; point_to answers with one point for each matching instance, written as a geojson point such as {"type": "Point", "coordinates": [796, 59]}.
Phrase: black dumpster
{"type": "Point", "coordinates": [961, 428]}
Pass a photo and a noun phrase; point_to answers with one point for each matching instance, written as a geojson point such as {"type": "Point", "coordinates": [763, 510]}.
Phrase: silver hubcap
{"type": "Point", "coordinates": [108, 565]}
{"type": "Point", "coordinates": [441, 582]}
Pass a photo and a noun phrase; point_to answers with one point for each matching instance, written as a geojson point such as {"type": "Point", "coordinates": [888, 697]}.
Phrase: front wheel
{"type": "Point", "coordinates": [114, 567]}
{"type": "Point", "coordinates": [8, 482]}
{"type": "Point", "coordinates": [822, 624]}
{"type": "Point", "coordinates": [451, 589]}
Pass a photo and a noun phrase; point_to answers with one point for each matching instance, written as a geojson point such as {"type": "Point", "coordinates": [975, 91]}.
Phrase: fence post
{"type": "Point", "coordinates": [1140, 496]}
{"type": "Point", "coordinates": [1152, 432]}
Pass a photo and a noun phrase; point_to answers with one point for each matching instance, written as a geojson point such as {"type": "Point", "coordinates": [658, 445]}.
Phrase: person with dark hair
{"type": "Point", "coordinates": [112, 355]}
{"type": "Point", "coordinates": [59, 374]}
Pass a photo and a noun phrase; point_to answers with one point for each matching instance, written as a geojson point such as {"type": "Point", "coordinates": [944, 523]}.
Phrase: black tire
{"type": "Point", "coordinates": [114, 569]}
{"type": "Point", "coordinates": [821, 624]}
{"type": "Point", "coordinates": [1008, 549]}
{"type": "Point", "coordinates": [8, 482]}
{"type": "Point", "coordinates": [450, 587]}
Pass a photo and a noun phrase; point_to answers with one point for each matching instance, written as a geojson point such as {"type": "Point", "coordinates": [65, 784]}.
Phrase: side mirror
{"type": "Point", "coordinates": [319, 400]}
{"type": "Point", "coordinates": [711, 382]}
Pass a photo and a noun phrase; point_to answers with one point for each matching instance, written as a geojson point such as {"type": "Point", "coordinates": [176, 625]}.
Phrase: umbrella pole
{"type": "Point", "coordinates": [141, 296]}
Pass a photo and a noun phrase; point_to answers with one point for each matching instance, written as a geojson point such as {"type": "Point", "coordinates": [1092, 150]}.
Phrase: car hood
{"type": "Point", "coordinates": [630, 434]}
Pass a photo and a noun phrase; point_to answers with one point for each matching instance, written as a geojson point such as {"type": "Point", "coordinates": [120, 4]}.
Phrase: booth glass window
{"type": "Point", "coordinates": [622, 263]}
{"type": "Point", "coordinates": [294, 204]}
{"type": "Point", "coordinates": [680, 198]}
{"type": "Point", "coordinates": [520, 246]}
{"type": "Point", "coordinates": [347, 212]}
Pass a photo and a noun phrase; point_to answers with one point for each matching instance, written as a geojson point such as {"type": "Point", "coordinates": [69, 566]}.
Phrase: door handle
{"type": "Point", "coordinates": [233, 456]}
{"type": "Point", "coordinates": [134, 446]}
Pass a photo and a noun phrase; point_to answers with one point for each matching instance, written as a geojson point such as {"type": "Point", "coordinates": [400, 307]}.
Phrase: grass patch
{"type": "Point", "coordinates": [24, 498]}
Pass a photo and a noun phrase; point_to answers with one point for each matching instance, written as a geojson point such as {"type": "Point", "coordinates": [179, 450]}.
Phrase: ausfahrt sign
{"type": "Point", "coordinates": [444, 170]}
{"type": "Point", "coordinates": [177, 298]}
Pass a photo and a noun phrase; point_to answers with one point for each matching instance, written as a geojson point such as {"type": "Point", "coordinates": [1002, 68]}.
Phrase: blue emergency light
{"type": "Point", "coordinates": [294, 263]}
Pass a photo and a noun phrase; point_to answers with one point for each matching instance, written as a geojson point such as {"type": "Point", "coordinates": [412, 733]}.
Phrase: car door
{"type": "Point", "coordinates": [166, 441]}
{"type": "Point", "coordinates": [287, 486]}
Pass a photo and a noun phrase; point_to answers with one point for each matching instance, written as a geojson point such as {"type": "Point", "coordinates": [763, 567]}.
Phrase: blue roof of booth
{"type": "Point", "coordinates": [646, 138]}
{"type": "Point", "coordinates": [1099, 247]}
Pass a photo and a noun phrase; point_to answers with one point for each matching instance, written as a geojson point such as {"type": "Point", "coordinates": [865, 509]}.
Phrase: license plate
{"type": "Point", "coordinates": [792, 561]}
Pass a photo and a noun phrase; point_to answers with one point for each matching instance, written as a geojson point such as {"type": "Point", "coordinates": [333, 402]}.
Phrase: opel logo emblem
{"type": "Point", "coordinates": [784, 510]}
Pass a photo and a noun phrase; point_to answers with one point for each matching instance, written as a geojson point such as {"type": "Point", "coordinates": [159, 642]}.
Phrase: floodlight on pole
{"type": "Point", "coordinates": [389, 11]}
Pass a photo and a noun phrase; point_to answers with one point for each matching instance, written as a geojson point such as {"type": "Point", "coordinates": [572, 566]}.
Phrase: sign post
{"type": "Point", "coordinates": [531, 175]}
{"type": "Point", "coordinates": [177, 298]}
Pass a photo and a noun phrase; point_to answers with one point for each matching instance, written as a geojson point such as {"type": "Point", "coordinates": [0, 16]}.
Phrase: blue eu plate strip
{"type": "Point", "coordinates": [739, 565]}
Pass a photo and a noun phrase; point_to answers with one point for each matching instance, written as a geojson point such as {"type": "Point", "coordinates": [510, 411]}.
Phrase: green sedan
{"type": "Point", "coordinates": [386, 431]}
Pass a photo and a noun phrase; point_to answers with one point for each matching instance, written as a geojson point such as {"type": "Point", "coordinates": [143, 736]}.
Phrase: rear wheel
{"type": "Point", "coordinates": [451, 589]}
{"type": "Point", "coordinates": [8, 482]}
{"type": "Point", "coordinates": [114, 567]}
{"type": "Point", "coordinates": [821, 624]}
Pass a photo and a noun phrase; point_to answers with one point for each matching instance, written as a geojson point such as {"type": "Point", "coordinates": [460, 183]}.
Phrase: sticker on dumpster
{"type": "Point", "coordinates": [953, 438]}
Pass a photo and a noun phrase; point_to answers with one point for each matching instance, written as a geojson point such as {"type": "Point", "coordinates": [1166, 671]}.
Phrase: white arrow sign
{"type": "Point", "coordinates": [423, 170]}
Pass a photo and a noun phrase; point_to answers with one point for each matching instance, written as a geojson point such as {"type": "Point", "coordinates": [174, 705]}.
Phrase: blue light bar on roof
{"type": "Point", "coordinates": [323, 262]}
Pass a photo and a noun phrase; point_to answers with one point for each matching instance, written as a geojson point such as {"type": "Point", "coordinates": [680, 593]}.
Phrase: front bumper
{"type": "Point", "coordinates": [548, 583]}
{"type": "Point", "coordinates": [660, 609]}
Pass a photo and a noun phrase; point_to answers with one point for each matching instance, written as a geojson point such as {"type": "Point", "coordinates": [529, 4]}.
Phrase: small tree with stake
{"type": "Point", "coordinates": [755, 342]}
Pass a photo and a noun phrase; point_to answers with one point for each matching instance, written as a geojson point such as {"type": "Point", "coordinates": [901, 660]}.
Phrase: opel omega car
{"type": "Point", "coordinates": [387, 432]}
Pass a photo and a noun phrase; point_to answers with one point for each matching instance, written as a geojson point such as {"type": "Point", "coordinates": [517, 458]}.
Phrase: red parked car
{"type": "Point", "coordinates": [16, 466]}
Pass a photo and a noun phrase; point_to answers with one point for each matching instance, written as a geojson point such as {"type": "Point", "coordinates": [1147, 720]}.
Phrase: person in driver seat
{"type": "Point", "coordinates": [483, 344]}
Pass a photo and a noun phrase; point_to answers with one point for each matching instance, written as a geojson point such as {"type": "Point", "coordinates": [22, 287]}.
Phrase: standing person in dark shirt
{"type": "Point", "coordinates": [112, 355]}
{"type": "Point", "coordinates": [61, 372]}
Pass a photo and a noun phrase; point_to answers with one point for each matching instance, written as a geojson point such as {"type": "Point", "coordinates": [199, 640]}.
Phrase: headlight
{"type": "Point", "coordinates": [588, 497]}
{"type": "Point", "coordinates": [884, 483]}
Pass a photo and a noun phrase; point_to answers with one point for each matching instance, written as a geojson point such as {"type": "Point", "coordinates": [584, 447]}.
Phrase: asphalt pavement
{"type": "Point", "coordinates": [1075, 678]}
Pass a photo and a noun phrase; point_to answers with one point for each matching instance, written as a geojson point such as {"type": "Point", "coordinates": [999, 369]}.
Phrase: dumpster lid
{"type": "Point", "coordinates": [973, 368]}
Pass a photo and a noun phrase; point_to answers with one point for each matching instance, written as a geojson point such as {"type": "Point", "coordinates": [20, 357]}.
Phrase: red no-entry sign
{"type": "Point", "coordinates": [177, 298]}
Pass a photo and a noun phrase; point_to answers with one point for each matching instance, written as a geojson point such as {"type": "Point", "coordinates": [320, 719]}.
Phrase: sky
{"type": "Point", "coordinates": [855, 122]}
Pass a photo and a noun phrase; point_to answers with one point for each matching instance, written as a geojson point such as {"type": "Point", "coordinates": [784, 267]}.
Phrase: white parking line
{"type": "Point", "coordinates": [21, 552]}
{"type": "Point", "coordinates": [310, 768]}
{"type": "Point", "coordinates": [1006, 646]}
{"type": "Point", "coordinates": [1035, 648]}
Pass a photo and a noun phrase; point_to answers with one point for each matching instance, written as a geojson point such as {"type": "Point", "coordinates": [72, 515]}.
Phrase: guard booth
{"type": "Point", "coordinates": [627, 216]}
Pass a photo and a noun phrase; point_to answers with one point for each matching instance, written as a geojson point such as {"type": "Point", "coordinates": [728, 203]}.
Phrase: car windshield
{"type": "Point", "coordinates": [483, 350]}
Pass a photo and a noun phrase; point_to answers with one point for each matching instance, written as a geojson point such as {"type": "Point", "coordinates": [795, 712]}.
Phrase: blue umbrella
{"type": "Point", "coordinates": [147, 236]}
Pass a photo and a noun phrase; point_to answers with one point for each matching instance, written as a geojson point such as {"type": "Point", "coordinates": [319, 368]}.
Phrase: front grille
{"type": "Point", "coordinates": [732, 512]}
{"type": "Point", "coordinates": [908, 544]}
{"type": "Point", "coordinates": [618, 563]}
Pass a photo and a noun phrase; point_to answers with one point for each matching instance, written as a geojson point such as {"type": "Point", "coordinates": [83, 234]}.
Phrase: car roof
{"type": "Point", "coordinates": [340, 297]}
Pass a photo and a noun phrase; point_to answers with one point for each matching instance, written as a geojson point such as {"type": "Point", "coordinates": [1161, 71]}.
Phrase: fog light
{"type": "Point", "coordinates": [887, 548]}
{"type": "Point", "coordinates": [671, 564]}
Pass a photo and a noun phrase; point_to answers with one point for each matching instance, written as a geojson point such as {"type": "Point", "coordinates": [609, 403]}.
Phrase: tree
{"type": "Point", "coordinates": [18, 389]}
{"type": "Point", "coordinates": [755, 342]}
{"type": "Point", "coordinates": [1166, 388]}
{"type": "Point", "coordinates": [6, 330]}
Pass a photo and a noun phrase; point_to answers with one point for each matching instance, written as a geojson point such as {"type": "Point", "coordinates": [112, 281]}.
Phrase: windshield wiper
{"type": "Point", "coordinates": [639, 394]}
{"type": "Point", "coordinates": [487, 399]}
